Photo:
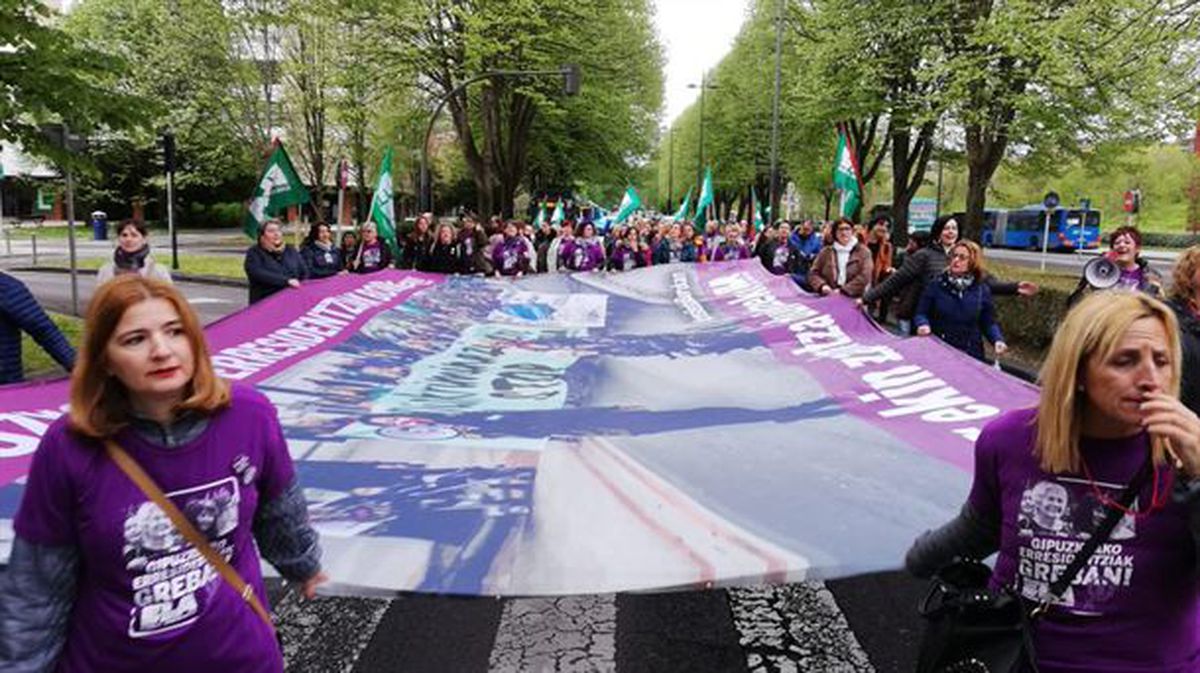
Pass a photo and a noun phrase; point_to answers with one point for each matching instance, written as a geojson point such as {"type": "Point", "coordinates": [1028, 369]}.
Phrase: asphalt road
{"type": "Point", "coordinates": [1069, 262]}
{"type": "Point", "coordinates": [53, 290]}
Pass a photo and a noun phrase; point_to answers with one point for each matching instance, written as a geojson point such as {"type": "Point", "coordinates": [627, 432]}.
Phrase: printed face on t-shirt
{"type": "Point", "coordinates": [781, 257]}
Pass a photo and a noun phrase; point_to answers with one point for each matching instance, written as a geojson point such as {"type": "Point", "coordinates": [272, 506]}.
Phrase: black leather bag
{"type": "Point", "coordinates": [971, 629]}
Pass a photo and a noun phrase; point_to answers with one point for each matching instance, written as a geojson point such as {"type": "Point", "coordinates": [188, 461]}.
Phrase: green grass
{"type": "Point", "coordinates": [224, 266]}
{"type": "Point", "coordinates": [83, 230]}
{"type": "Point", "coordinates": [1064, 281]}
{"type": "Point", "coordinates": [37, 363]}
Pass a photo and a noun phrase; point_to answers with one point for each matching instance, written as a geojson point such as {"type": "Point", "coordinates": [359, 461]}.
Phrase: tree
{"type": "Point", "coordinates": [309, 38]}
{"type": "Point", "coordinates": [179, 60]}
{"type": "Point", "coordinates": [1053, 80]}
{"type": "Point", "coordinates": [46, 77]}
{"type": "Point", "coordinates": [441, 43]}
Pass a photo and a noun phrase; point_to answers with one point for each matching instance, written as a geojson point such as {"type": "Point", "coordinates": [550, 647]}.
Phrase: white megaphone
{"type": "Point", "coordinates": [1101, 273]}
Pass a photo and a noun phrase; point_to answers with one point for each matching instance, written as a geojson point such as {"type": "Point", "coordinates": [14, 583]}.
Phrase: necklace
{"type": "Point", "coordinates": [1155, 502]}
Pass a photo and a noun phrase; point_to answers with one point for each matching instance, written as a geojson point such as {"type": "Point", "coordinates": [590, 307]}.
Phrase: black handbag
{"type": "Point", "coordinates": [971, 629]}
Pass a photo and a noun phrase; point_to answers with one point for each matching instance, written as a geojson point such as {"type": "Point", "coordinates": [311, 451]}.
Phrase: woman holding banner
{"type": "Point", "coordinates": [272, 265]}
{"type": "Point", "coordinates": [584, 252]}
{"type": "Point", "coordinates": [844, 267]}
{"type": "Point", "coordinates": [107, 573]}
{"type": "Point", "coordinates": [958, 306]}
{"type": "Point", "coordinates": [1109, 415]}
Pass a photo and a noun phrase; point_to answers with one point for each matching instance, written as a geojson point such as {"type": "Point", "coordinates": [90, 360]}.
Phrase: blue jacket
{"type": "Point", "coordinates": [20, 311]}
{"type": "Point", "coordinates": [806, 247]}
{"type": "Point", "coordinates": [961, 320]}
{"type": "Point", "coordinates": [270, 272]}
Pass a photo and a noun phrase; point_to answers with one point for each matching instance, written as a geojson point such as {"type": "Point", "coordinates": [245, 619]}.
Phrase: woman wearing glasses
{"type": "Point", "coordinates": [844, 267]}
{"type": "Point", "coordinates": [957, 307]}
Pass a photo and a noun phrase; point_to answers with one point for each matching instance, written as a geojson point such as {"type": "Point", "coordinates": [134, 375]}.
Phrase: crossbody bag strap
{"type": "Point", "coordinates": [1100, 535]}
{"type": "Point", "coordinates": [143, 481]}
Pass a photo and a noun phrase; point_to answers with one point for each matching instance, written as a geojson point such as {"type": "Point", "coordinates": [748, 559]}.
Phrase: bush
{"type": "Point", "coordinates": [1155, 239]}
{"type": "Point", "coordinates": [217, 215]}
{"type": "Point", "coordinates": [1028, 323]}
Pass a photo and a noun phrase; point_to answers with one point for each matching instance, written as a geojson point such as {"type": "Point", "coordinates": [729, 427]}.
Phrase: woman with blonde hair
{"type": "Point", "coordinates": [1108, 410]}
{"type": "Point", "coordinates": [958, 307]}
{"type": "Point", "coordinates": [99, 578]}
{"type": "Point", "coordinates": [1185, 301]}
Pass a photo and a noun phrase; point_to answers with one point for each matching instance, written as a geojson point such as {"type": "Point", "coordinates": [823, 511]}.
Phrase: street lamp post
{"type": "Point", "coordinates": [703, 86]}
{"type": "Point", "coordinates": [671, 173]}
{"type": "Point", "coordinates": [570, 74]}
{"type": "Point", "coordinates": [773, 198]}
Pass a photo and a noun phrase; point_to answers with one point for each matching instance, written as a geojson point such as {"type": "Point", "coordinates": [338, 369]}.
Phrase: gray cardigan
{"type": "Point", "coordinates": [38, 590]}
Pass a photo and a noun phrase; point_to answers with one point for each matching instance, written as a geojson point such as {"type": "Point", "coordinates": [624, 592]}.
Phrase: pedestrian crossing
{"type": "Point", "coordinates": [761, 629]}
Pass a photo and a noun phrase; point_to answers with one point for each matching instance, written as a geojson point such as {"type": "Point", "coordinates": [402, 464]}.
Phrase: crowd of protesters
{"type": "Point", "coordinates": [927, 292]}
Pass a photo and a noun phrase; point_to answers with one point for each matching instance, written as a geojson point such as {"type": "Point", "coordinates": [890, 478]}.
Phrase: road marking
{"type": "Point", "coordinates": [566, 634]}
{"type": "Point", "coordinates": [795, 627]}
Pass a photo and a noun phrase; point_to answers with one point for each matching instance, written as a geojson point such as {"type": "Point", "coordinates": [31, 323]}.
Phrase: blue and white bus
{"type": "Point", "coordinates": [1070, 228]}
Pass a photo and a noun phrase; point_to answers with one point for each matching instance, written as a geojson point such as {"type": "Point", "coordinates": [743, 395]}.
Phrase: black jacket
{"type": "Point", "coordinates": [269, 272]}
{"type": "Point", "coordinates": [322, 263]}
{"type": "Point", "coordinates": [1189, 339]}
{"type": "Point", "coordinates": [442, 258]}
{"type": "Point", "coordinates": [916, 273]}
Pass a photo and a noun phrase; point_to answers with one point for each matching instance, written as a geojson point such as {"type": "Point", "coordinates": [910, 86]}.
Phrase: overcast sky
{"type": "Point", "coordinates": [696, 34]}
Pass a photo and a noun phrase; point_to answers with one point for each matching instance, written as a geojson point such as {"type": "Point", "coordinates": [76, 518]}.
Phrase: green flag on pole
{"type": "Point", "coordinates": [558, 215]}
{"type": "Point", "coordinates": [383, 206]}
{"type": "Point", "coordinates": [278, 188]}
{"type": "Point", "coordinates": [682, 214]}
{"type": "Point", "coordinates": [846, 176]}
{"type": "Point", "coordinates": [756, 206]}
{"type": "Point", "coordinates": [629, 203]}
{"type": "Point", "coordinates": [705, 200]}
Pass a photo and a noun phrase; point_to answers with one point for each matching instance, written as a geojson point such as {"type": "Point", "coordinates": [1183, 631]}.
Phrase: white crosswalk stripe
{"type": "Point", "coordinates": [795, 627]}
{"type": "Point", "coordinates": [761, 629]}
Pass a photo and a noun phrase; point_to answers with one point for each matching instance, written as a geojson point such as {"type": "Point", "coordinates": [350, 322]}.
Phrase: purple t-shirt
{"type": "Point", "coordinates": [147, 600]}
{"type": "Point", "coordinates": [1133, 606]}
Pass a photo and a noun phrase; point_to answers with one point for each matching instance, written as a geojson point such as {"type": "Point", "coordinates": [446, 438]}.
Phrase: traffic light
{"type": "Point", "coordinates": [168, 142]}
{"type": "Point", "coordinates": [571, 79]}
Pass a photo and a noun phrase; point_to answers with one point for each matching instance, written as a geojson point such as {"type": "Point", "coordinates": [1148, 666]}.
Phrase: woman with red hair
{"type": "Point", "coordinates": [101, 578]}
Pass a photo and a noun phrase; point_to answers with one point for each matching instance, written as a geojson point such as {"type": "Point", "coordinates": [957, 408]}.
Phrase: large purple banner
{"type": "Point", "coordinates": [680, 425]}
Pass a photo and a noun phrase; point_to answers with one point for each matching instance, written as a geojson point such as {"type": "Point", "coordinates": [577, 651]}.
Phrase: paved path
{"type": "Point", "coordinates": [53, 290]}
{"type": "Point", "coordinates": [860, 624]}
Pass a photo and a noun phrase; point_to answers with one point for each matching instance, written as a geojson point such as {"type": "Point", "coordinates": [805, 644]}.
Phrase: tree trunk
{"type": "Point", "coordinates": [909, 161]}
{"type": "Point", "coordinates": [985, 149]}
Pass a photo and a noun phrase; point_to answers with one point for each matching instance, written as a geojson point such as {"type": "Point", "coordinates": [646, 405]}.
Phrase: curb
{"type": "Point", "coordinates": [185, 277]}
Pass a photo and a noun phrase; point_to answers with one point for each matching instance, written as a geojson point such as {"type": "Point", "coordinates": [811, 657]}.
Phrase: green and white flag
{"type": "Point", "coordinates": [756, 205]}
{"type": "Point", "coordinates": [846, 176]}
{"type": "Point", "coordinates": [558, 215]}
{"type": "Point", "coordinates": [383, 207]}
{"type": "Point", "coordinates": [540, 218]}
{"type": "Point", "coordinates": [629, 203]}
{"type": "Point", "coordinates": [682, 214]}
{"type": "Point", "coordinates": [278, 188]}
{"type": "Point", "coordinates": [705, 200]}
